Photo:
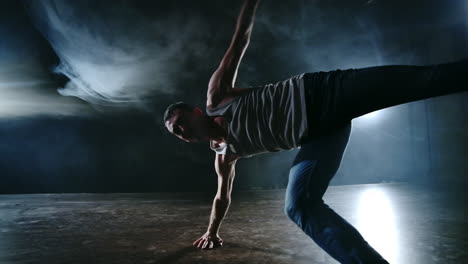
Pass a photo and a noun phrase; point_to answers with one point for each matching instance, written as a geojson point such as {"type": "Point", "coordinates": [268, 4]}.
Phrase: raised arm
{"type": "Point", "coordinates": [224, 78]}
{"type": "Point", "coordinates": [225, 168]}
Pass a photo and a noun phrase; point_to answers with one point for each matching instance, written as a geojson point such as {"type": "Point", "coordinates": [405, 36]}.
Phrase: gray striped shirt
{"type": "Point", "coordinates": [269, 118]}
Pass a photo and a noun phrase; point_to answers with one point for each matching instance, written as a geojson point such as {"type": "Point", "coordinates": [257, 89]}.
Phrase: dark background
{"type": "Point", "coordinates": [123, 62]}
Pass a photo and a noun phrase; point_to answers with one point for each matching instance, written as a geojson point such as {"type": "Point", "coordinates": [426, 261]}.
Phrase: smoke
{"type": "Point", "coordinates": [124, 52]}
{"type": "Point", "coordinates": [327, 35]}
{"type": "Point", "coordinates": [112, 52]}
{"type": "Point", "coordinates": [31, 97]}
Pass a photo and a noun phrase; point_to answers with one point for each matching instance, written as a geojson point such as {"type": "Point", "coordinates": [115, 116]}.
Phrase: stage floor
{"type": "Point", "coordinates": [405, 224]}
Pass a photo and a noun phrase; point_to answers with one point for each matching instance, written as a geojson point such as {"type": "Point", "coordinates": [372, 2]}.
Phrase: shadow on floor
{"type": "Point", "coordinates": [175, 256]}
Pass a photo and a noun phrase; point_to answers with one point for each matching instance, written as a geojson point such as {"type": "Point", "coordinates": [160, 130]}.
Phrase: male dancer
{"type": "Point", "coordinates": [312, 111]}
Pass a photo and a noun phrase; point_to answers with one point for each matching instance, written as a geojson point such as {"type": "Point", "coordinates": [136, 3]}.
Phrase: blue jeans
{"type": "Point", "coordinates": [333, 100]}
{"type": "Point", "coordinates": [314, 167]}
{"type": "Point", "coordinates": [336, 97]}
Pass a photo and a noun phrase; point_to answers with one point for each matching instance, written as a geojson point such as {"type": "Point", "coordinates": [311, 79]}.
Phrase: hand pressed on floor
{"type": "Point", "coordinates": [208, 241]}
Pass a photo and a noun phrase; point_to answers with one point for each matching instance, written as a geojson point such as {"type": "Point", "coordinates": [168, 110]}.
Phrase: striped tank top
{"type": "Point", "coordinates": [268, 118]}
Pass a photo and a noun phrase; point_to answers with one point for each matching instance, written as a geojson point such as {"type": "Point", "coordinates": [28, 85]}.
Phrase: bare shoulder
{"type": "Point", "coordinates": [213, 99]}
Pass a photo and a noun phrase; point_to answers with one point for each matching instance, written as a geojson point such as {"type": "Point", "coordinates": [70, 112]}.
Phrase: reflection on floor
{"type": "Point", "coordinates": [405, 224]}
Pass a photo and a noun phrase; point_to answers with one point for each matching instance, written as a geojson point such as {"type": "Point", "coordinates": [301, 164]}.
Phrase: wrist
{"type": "Point", "coordinates": [212, 231]}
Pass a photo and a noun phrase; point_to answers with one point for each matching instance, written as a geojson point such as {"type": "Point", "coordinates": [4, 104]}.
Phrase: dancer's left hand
{"type": "Point", "coordinates": [208, 241]}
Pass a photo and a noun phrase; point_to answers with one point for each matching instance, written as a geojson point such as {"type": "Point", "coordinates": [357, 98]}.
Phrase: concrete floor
{"type": "Point", "coordinates": [405, 224]}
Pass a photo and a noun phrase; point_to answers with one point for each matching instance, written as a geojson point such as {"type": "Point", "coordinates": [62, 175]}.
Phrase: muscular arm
{"type": "Point", "coordinates": [224, 78]}
{"type": "Point", "coordinates": [225, 168]}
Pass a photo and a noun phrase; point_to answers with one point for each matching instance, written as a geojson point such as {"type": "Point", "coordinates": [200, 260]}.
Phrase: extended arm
{"type": "Point", "coordinates": [224, 78]}
{"type": "Point", "coordinates": [225, 168]}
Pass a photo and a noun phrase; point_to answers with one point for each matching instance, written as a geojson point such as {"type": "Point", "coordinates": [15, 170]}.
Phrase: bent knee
{"type": "Point", "coordinates": [289, 210]}
{"type": "Point", "coordinates": [296, 211]}
{"type": "Point", "coordinates": [293, 204]}
{"type": "Point", "coordinates": [293, 212]}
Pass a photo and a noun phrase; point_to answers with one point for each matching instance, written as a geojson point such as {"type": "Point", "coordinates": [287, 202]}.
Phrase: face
{"type": "Point", "coordinates": [188, 126]}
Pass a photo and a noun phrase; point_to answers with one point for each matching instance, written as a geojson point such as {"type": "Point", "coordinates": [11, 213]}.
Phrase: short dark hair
{"type": "Point", "coordinates": [171, 109]}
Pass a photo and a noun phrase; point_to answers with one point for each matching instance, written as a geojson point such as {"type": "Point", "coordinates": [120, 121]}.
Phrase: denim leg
{"type": "Point", "coordinates": [340, 95]}
{"type": "Point", "coordinates": [369, 89]}
{"type": "Point", "coordinates": [314, 167]}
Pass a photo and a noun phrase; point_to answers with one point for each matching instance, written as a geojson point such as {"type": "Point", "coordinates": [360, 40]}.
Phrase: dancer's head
{"type": "Point", "coordinates": [186, 122]}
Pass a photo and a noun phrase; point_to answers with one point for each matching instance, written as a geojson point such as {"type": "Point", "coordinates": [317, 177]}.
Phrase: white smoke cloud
{"type": "Point", "coordinates": [114, 55]}
{"type": "Point", "coordinates": [26, 92]}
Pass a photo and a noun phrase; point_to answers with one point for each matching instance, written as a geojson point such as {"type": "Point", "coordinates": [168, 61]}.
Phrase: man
{"type": "Point", "coordinates": [312, 111]}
